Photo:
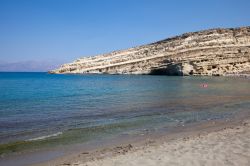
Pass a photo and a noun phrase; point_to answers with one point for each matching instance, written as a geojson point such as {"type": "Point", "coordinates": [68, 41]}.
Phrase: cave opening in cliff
{"type": "Point", "coordinates": [164, 71]}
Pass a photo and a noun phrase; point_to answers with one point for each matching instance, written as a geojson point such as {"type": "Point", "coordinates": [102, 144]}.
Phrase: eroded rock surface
{"type": "Point", "coordinates": [209, 52]}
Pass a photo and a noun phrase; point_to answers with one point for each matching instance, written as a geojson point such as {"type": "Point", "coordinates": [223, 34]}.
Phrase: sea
{"type": "Point", "coordinates": [40, 110]}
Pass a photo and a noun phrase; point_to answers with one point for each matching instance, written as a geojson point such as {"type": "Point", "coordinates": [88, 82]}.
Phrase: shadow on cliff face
{"type": "Point", "coordinates": [165, 71]}
{"type": "Point", "coordinates": [172, 70]}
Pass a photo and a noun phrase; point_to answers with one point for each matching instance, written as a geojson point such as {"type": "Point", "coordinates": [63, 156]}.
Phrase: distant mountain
{"type": "Point", "coordinates": [209, 52]}
{"type": "Point", "coordinates": [28, 66]}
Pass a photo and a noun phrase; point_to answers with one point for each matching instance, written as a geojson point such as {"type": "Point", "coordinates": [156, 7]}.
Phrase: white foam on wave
{"type": "Point", "coordinates": [45, 136]}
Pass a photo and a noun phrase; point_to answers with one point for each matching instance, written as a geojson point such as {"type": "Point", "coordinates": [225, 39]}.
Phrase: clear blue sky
{"type": "Point", "coordinates": [63, 30]}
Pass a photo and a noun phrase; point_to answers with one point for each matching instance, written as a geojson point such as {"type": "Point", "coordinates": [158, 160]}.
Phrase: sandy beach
{"type": "Point", "coordinates": [215, 144]}
{"type": "Point", "coordinates": [230, 146]}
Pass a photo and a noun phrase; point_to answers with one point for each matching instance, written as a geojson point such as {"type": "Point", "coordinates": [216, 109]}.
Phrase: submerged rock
{"type": "Point", "coordinates": [209, 52]}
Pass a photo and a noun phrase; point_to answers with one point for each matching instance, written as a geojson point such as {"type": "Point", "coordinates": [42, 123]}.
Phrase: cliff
{"type": "Point", "coordinates": [209, 52]}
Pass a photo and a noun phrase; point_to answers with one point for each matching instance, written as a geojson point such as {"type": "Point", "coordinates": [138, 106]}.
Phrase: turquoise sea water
{"type": "Point", "coordinates": [42, 110]}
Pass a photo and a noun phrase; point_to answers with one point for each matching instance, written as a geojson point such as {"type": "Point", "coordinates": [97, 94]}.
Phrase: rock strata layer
{"type": "Point", "coordinates": [210, 52]}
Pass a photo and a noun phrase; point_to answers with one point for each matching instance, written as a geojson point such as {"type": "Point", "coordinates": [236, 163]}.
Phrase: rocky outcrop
{"type": "Point", "coordinates": [209, 52]}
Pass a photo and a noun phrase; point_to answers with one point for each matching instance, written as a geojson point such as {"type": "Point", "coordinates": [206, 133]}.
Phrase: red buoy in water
{"type": "Point", "coordinates": [204, 85]}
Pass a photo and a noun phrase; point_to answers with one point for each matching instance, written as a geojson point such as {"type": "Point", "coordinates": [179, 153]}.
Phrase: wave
{"type": "Point", "coordinates": [45, 136]}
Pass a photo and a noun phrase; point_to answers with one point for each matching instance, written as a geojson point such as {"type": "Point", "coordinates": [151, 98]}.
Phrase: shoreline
{"type": "Point", "coordinates": [115, 151]}
{"type": "Point", "coordinates": [228, 146]}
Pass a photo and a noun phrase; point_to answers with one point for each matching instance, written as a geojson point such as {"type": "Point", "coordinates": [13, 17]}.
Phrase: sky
{"type": "Point", "coordinates": [51, 32]}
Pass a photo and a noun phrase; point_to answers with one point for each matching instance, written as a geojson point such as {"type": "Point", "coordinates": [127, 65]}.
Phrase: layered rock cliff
{"type": "Point", "coordinates": [209, 52]}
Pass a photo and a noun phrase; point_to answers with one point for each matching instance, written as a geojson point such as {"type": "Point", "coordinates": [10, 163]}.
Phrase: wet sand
{"type": "Point", "coordinates": [210, 143]}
